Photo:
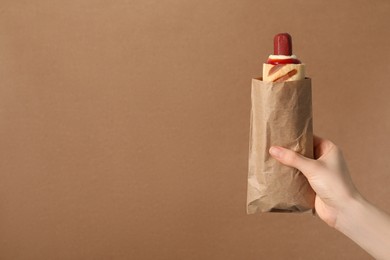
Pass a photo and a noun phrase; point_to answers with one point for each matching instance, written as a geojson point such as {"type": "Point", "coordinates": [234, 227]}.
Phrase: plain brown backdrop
{"type": "Point", "coordinates": [124, 124]}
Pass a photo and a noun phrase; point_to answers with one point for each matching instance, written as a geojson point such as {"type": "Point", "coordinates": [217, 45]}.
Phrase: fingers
{"type": "Point", "coordinates": [293, 159]}
{"type": "Point", "coordinates": [321, 146]}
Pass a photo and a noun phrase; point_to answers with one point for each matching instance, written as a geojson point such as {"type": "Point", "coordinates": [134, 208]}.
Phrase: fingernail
{"type": "Point", "coordinates": [276, 151]}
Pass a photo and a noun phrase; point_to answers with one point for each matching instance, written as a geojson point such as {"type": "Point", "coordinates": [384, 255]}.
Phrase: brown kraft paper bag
{"type": "Point", "coordinates": [281, 115]}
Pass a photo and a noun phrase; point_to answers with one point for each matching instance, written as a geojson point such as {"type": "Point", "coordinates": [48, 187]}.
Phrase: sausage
{"type": "Point", "coordinates": [283, 44]}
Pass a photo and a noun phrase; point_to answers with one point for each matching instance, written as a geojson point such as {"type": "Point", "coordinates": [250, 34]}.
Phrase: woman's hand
{"type": "Point", "coordinates": [338, 202]}
{"type": "Point", "coordinates": [327, 174]}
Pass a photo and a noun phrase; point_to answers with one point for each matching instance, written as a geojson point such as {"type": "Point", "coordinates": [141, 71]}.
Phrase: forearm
{"type": "Point", "coordinates": [368, 226]}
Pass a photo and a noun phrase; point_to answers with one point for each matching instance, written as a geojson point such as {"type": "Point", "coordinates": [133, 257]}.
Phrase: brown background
{"type": "Point", "coordinates": [124, 124]}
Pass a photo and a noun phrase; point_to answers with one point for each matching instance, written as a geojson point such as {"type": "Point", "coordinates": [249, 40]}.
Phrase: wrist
{"type": "Point", "coordinates": [367, 226]}
{"type": "Point", "coordinates": [347, 215]}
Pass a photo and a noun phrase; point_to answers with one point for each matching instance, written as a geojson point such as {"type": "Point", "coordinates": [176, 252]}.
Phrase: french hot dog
{"type": "Point", "coordinates": [283, 65]}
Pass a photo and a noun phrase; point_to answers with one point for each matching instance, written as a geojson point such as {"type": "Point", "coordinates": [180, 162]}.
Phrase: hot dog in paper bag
{"type": "Point", "coordinates": [281, 114]}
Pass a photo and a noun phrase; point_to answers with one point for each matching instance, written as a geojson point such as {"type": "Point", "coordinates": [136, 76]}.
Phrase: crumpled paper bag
{"type": "Point", "coordinates": [281, 115]}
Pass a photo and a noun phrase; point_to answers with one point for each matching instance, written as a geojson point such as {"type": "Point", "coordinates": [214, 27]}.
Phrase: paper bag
{"type": "Point", "coordinates": [281, 115]}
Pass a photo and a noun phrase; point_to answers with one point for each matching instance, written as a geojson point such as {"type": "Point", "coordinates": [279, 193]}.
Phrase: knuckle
{"type": "Point", "coordinates": [330, 144]}
{"type": "Point", "coordinates": [337, 149]}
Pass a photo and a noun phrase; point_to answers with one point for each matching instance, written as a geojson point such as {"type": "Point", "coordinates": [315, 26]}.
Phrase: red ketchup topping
{"type": "Point", "coordinates": [283, 46]}
{"type": "Point", "coordinates": [285, 61]}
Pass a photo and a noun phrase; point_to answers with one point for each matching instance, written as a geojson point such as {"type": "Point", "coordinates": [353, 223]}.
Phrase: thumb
{"type": "Point", "coordinates": [293, 159]}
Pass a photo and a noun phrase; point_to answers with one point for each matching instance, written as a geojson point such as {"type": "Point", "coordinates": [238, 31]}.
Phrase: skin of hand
{"type": "Point", "coordinates": [327, 174]}
{"type": "Point", "coordinates": [337, 201]}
